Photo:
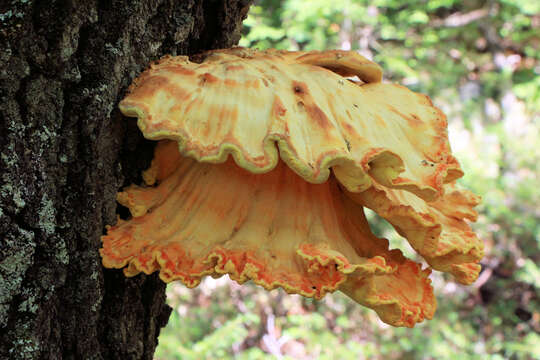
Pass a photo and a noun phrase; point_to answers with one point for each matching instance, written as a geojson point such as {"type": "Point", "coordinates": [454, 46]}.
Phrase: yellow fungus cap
{"type": "Point", "coordinates": [271, 212]}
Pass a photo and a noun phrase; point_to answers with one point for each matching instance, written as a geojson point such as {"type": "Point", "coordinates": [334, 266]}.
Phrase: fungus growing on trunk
{"type": "Point", "coordinates": [309, 148]}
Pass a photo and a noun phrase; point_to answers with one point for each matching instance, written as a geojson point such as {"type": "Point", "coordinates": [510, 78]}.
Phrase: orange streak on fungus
{"type": "Point", "coordinates": [413, 120]}
{"type": "Point", "coordinates": [182, 70]}
{"type": "Point", "coordinates": [277, 107]}
{"type": "Point", "coordinates": [208, 78]}
{"type": "Point", "coordinates": [235, 68]}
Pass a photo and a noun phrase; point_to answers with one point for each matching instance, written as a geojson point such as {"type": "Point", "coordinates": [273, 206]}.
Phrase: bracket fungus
{"type": "Point", "coordinates": [309, 149]}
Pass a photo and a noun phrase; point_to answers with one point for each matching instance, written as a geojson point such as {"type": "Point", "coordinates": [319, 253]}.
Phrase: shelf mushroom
{"type": "Point", "coordinates": [264, 163]}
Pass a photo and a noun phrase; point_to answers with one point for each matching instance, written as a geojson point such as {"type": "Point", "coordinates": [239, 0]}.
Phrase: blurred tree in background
{"type": "Point", "coordinates": [480, 62]}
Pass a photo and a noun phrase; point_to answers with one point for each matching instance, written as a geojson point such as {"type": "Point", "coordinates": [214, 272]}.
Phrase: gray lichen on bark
{"type": "Point", "coordinates": [65, 150]}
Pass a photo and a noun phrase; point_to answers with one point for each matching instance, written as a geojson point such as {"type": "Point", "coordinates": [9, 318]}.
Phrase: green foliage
{"type": "Point", "coordinates": [216, 345]}
{"type": "Point", "coordinates": [479, 61]}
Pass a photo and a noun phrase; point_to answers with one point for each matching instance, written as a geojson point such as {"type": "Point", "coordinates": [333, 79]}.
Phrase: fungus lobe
{"type": "Point", "coordinates": [308, 148]}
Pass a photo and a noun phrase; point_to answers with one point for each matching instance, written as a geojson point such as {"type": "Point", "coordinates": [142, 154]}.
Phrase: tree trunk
{"type": "Point", "coordinates": [65, 151]}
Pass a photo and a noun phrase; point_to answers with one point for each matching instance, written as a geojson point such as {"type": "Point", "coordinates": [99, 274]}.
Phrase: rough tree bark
{"type": "Point", "coordinates": [65, 151]}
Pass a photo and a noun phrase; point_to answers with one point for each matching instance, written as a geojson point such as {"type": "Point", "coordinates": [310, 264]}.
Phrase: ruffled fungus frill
{"type": "Point", "coordinates": [271, 212]}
